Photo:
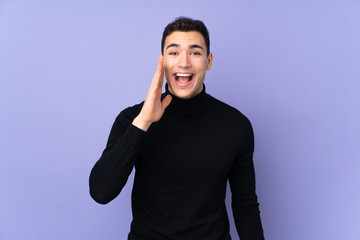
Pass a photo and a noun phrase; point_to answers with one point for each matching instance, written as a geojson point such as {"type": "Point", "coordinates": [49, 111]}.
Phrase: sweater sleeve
{"type": "Point", "coordinates": [242, 184]}
{"type": "Point", "coordinates": [111, 171]}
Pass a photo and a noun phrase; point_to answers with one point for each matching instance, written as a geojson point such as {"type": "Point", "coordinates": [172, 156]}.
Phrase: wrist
{"type": "Point", "coordinates": [140, 123]}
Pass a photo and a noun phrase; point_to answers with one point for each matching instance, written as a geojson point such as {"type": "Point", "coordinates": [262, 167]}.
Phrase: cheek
{"type": "Point", "coordinates": [201, 69]}
{"type": "Point", "coordinates": [167, 73]}
{"type": "Point", "coordinates": [201, 65]}
{"type": "Point", "coordinates": [166, 68]}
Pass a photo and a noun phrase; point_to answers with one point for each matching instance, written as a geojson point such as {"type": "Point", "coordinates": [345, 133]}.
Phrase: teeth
{"type": "Point", "coordinates": [183, 74]}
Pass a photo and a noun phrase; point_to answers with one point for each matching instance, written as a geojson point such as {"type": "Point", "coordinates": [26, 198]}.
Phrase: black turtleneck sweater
{"type": "Point", "coordinates": [182, 166]}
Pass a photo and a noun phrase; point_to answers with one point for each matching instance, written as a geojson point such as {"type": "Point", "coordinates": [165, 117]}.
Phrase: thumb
{"type": "Point", "coordinates": [166, 101]}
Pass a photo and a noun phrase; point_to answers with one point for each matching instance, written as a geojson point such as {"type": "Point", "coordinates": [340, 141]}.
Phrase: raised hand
{"type": "Point", "coordinates": [153, 107]}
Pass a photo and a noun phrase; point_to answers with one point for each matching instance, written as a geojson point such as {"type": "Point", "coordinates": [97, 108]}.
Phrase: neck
{"type": "Point", "coordinates": [194, 105]}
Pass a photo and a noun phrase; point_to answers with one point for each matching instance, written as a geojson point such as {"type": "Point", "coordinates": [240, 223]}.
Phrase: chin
{"type": "Point", "coordinates": [184, 93]}
{"type": "Point", "coordinates": [180, 93]}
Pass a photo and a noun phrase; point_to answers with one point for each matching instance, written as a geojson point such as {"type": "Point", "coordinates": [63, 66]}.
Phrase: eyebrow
{"type": "Point", "coordinates": [191, 46]}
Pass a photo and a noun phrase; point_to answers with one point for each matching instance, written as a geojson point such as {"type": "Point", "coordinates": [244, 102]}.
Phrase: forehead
{"type": "Point", "coordinates": [185, 39]}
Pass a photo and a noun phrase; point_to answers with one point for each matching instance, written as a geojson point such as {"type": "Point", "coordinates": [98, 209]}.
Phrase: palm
{"type": "Point", "coordinates": [153, 107]}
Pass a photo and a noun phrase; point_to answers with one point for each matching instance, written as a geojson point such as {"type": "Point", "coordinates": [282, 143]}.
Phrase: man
{"type": "Point", "coordinates": [184, 145]}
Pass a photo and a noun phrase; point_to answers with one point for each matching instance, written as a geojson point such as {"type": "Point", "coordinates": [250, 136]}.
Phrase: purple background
{"type": "Point", "coordinates": [67, 68]}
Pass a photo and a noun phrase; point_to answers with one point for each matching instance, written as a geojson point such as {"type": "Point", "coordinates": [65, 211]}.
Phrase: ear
{"type": "Point", "coordinates": [209, 61]}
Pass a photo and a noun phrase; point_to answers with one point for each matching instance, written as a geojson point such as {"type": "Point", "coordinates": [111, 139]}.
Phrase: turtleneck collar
{"type": "Point", "coordinates": [194, 105]}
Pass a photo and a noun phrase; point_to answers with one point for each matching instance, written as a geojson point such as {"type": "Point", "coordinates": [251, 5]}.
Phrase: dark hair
{"type": "Point", "coordinates": [185, 24]}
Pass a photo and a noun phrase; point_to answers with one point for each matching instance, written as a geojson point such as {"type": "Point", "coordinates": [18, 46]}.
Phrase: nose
{"type": "Point", "coordinates": [184, 61]}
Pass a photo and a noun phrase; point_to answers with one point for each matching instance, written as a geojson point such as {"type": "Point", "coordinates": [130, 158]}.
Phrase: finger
{"type": "Point", "coordinates": [160, 72]}
{"type": "Point", "coordinates": [158, 78]}
{"type": "Point", "coordinates": [166, 102]}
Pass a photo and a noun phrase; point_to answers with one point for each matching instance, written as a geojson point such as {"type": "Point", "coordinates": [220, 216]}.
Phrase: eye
{"type": "Point", "coordinates": [196, 53]}
{"type": "Point", "coordinates": [172, 53]}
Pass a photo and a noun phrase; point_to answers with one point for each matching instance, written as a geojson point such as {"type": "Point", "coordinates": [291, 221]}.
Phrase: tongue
{"type": "Point", "coordinates": [183, 79]}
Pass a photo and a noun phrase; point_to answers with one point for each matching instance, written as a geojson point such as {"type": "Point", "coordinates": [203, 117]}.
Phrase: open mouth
{"type": "Point", "coordinates": [183, 79]}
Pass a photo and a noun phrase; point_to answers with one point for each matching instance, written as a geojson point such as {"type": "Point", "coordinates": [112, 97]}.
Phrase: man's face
{"type": "Point", "coordinates": [185, 63]}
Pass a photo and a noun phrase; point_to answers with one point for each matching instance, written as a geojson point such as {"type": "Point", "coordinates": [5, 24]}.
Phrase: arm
{"type": "Point", "coordinates": [110, 173]}
{"type": "Point", "coordinates": [242, 184]}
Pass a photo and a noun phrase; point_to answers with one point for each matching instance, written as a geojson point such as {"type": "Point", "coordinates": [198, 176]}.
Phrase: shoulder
{"type": "Point", "coordinates": [127, 115]}
{"type": "Point", "coordinates": [238, 125]}
{"type": "Point", "coordinates": [230, 114]}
